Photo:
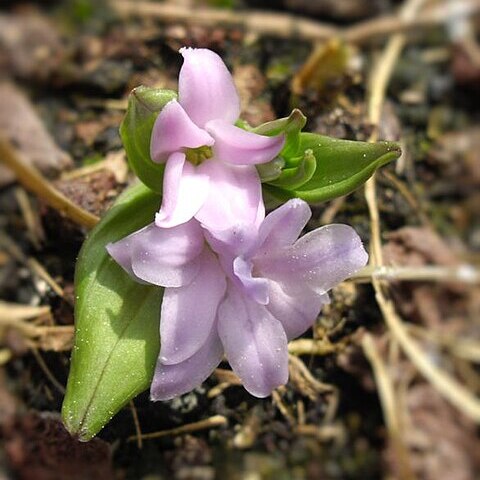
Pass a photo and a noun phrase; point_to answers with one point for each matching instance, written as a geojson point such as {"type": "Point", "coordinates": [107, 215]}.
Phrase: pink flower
{"type": "Point", "coordinates": [210, 172]}
{"type": "Point", "coordinates": [237, 291]}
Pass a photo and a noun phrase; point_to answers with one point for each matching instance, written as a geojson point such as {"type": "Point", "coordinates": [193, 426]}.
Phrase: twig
{"type": "Point", "coordinates": [394, 24]}
{"type": "Point", "coordinates": [34, 181]}
{"type": "Point", "coordinates": [284, 25]}
{"type": "Point", "coordinates": [409, 197]}
{"type": "Point", "coordinates": [284, 410]}
{"type": "Point", "coordinates": [40, 270]}
{"type": "Point", "coordinates": [307, 346]}
{"type": "Point", "coordinates": [331, 211]}
{"type": "Point", "coordinates": [212, 422]}
{"type": "Point", "coordinates": [31, 218]}
{"type": "Point", "coordinates": [461, 347]}
{"type": "Point", "coordinates": [261, 22]}
{"type": "Point", "coordinates": [47, 372]}
{"type": "Point", "coordinates": [429, 273]}
{"type": "Point", "coordinates": [379, 79]}
{"type": "Point", "coordinates": [34, 265]}
{"type": "Point", "coordinates": [17, 311]}
{"type": "Point", "coordinates": [389, 404]}
{"type": "Point", "coordinates": [137, 425]}
{"type": "Point", "coordinates": [384, 384]}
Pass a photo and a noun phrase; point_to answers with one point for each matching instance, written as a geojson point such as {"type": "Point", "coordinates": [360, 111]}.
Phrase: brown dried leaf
{"type": "Point", "coordinates": [442, 444]}
{"type": "Point", "coordinates": [29, 45]}
{"type": "Point", "coordinates": [20, 124]}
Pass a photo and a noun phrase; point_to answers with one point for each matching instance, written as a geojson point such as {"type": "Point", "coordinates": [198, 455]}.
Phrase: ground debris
{"type": "Point", "coordinates": [20, 124]}
{"type": "Point", "coordinates": [30, 45]}
{"type": "Point", "coordinates": [443, 445]}
{"type": "Point", "coordinates": [441, 306]}
{"type": "Point", "coordinates": [38, 447]}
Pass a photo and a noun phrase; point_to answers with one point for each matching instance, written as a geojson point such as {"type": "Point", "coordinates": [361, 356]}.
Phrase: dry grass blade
{"type": "Point", "coordinates": [137, 424]}
{"type": "Point", "coordinates": [307, 346]}
{"type": "Point", "coordinates": [465, 273]}
{"type": "Point", "coordinates": [289, 26]}
{"type": "Point", "coordinates": [212, 422]}
{"type": "Point", "coordinates": [16, 311]}
{"type": "Point", "coordinates": [389, 404]}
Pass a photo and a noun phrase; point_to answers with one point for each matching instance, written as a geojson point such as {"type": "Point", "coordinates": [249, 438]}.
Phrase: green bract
{"type": "Point", "coordinates": [144, 105]}
{"type": "Point", "coordinates": [116, 323]}
{"type": "Point", "coordinates": [326, 167]}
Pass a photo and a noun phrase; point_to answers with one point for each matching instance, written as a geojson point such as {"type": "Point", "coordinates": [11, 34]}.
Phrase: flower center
{"type": "Point", "coordinates": [197, 155]}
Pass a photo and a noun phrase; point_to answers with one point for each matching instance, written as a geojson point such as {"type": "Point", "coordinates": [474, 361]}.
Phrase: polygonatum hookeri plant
{"type": "Point", "coordinates": [187, 270]}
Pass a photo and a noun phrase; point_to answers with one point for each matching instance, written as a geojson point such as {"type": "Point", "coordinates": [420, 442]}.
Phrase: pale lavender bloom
{"type": "Point", "coordinates": [236, 292]}
{"type": "Point", "coordinates": [210, 169]}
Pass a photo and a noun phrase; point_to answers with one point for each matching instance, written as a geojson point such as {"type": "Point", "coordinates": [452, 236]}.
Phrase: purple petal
{"type": "Point", "coordinates": [255, 343]}
{"type": "Point", "coordinates": [239, 147]}
{"type": "Point", "coordinates": [121, 252]}
{"type": "Point", "coordinates": [321, 259]}
{"type": "Point", "coordinates": [234, 196]}
{"type": "Point", "coordinates": [205, 87]}
{"type": "Point", "coordinates": [298, 312]}
{"type": "Point", "coordinates": [283, 225]}
{"type": "Point", "coordinates": [165, 257]}
{"type": "Point", "coordinates": [170, 381]}
{"type": "Point", "coordinates": [185, 190]}
{"type": "Point", "coordinates": [254, 287]}
{"type": "Point", "coordinates": [234, 241]}
{"type": "Point", "coordinates": [189, 312]}
{"type": "Point", "coordinates": [173, 130]}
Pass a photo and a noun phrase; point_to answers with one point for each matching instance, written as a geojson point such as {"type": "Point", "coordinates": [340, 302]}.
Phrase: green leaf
{"type": "Point", "coordinates": [116, 323]}
{"type": "Point", "coordinates": [341, 167]}
{"type": "Point", "coordinates": [293, 177]}
{"type": "Point", "coordinates": [291, 126]}
{"type": "Point", "coordinates": [144, 104]}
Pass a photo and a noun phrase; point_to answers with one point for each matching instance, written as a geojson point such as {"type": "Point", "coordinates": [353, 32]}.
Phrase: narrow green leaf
{"type": "Point", "coordinates": [144, 104]}
{"type": "Point", "coordinates": [341, 167]}
{"type": "Point", "coordinates": [116, 323]}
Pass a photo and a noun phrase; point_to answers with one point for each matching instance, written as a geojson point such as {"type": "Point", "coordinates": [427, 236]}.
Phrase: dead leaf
{"type": "Point", "coordinates": [30, 46]}
{"type": "Point", "coordinates": [442, 444]}
{"type": "Point", "coordinates": [20, 124]}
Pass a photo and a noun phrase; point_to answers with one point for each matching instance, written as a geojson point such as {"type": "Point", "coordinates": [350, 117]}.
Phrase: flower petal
{"type": "Point", "coordinates": [254, 287]}
{"type": "Point", "coordinates": [283, 225]}
{"type": "Point", "coordinates": [173, 130]}
{"type": "Point", "coordinates": [321, 259]}
{"type": "Point", "coordinates": [298, 312]}
{"type": "Point", "coordinates": [255, 343]}
{"type": "Point", "coordinates": [185, 190]}
{"type": "Point", "coordinates": [121, 252]}
{"type": "Point", "coordinates": [170, 381]}
{"type": "Point", "coordinates": [165, 257]}
{"type": "Point", "coordinates": [240, 147]}
{"type": "Point", "coordinates": [189, 312]}
{"type": "Point", "coordinates": [234, 196]}
{"type": "Point", "coordinates": [205, 87]}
